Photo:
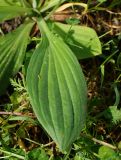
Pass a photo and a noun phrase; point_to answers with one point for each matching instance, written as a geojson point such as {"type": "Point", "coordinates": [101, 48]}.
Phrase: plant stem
{"type": "Point", "coordinates": [99, 141]}
{"type": "Point", "coordinates": [51, 157]}
{"type": "Point", "coordinates": [48, 144]}
{"type": "Point", "coordinates": [42, 145]}
{"type": "Point", "coordinates": [5, 157]}
{"type": "Point", "coordinates": [12, 154]}
{"type": "Point", "coordinates": [66, 156]}
{"type": "Point", "coordinates": [49, 15]}
{"type": "Point", "coordinates": [17, 114]}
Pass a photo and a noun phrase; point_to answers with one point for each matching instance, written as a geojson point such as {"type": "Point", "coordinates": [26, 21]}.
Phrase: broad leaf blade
{"type": "Point", "coordinates": [12, 51]}
{"type": "Point", "coordinates": [57, 89]}
{"type": "Point", "coordinates": [9, 12]}
{"type": "Point", "coordinates": [83, 40]}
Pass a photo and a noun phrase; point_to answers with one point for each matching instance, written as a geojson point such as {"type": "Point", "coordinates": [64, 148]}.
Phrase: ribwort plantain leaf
{"type": "Point", "coordinates": [57, 89]}
{"type": "Point", "coordinates": [12, 51]}
{"type": "Point", "coordinates": [9, 12]}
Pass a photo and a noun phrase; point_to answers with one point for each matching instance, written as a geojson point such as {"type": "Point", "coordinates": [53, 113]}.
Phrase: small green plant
{"type": "Point", "coordinates": [55, 81]}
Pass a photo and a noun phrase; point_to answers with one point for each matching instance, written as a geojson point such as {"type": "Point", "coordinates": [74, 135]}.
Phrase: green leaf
{"type": "Point", "coordinates": [37, 154]}
{"type": "Point", "coordinates": [12, 51]}
{"type": "Point", "coordinates": [8, 12]}
{"type": "Point", "coordinates": [81, 156]}
{"type": "Point", "coordinates": [83, 40]}
{"type": "Point", "coordinates": [113, 114]}
{"type": "Point", "coordinates": [12, 153]}
{"type": "Point", "coordinates": [50, 3]}
{"type": "Point", "coordinates": [119, 60]}
{"type": "Point", "coordinates": [8, 2]}
{"type": "Point", "coordinates": [57, 89]}
{"type": "Point", "coordinates": [73, 21]}
{"type": "Point", "coordinates": [107, 153]}
{"type": "Point", "coordinates": [101, 1]}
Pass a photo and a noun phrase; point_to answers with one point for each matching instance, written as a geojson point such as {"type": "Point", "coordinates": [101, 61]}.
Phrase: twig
{"type": "Point", "coordinates": [67, 5]}
{"type": "Point", "coordinates": [111, 26]}
{"type": "Point", "coordinates": [17, 114]}
{"type": "Point", "coordinates": [99, 141]}
{"type": "Point", "coordinates": [104, 143]}
{"type": "Point", "coordinates": [12, 154]}
{"type": "Point", "coordinates": [116, 13]}
{"type": "Point", "coordinates": [42, 145]}
{"type": "Point", "coordinates": [48, 144]}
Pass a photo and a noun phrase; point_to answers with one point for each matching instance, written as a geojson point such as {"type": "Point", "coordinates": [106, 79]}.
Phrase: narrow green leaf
{"type": "Point", "coordinates": [50, 3]}
{"type": "Point", "coordinates": [117, 94]}
{"type": "Point", "coordinates": [12, 51]}
{"type": "Point", "coordinates": [101, 1]}
{"type": "Point", "coordinates": [119, 60]}
{"type": "Point", "coordinates": [57, 89]}
{"type": "Point", "coordinates": [11, 153]}
{"type": "Point", "coordinates": [83, 40]}
{"type": "Point", "coordinates": [9, 2]}
{"type": "Point", "coordinates": [9, 12]}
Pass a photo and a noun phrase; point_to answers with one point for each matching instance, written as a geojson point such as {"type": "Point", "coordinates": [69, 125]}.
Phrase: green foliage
{"type": "Point", "coordinates": [37, 154]}
{"type": "Point", "coordinates": [119, 60]}
{"type": "Point", "coordinates": [55, 82]}
{"type": "Point", "coordinates": [81, 156]}
{"type": "Point", "coordinates": [106, 153]}
{"type": "Point", "coordinates": [9, 2]}
{"type": "Point", "coordinates": [83, 40]}
{"type": "Point", "coordinates": [49, 4]}
{"type": "Point", "coordinates": [59, 89]}
{"type": "Point", "coordinates": [12, 52]}
{"type": "Point", "coordinates": [85, 149]}
{"type": "Point", "coordinates": [101, 1]}
{"type": "Point", "coordinates": [10, 9]}
{"type": "Point", "coordinates": [113, 114]}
